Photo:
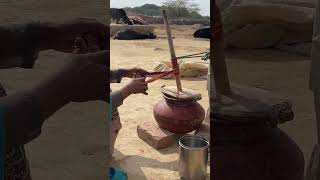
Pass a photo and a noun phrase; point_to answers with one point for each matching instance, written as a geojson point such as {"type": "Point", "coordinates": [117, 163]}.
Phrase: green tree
{"type": "Point", "coordinates": [181, 8]}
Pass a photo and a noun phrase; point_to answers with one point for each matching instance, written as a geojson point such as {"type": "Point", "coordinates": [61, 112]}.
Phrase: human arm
{"type": "Point", "coordinates": [117, 74]}
{"type": "Point", "coordinates": [84, 78]}
{"type": "Point", "coordinates": [24, 41]}
{"type": "Point", "coordinates": [133, 87]}
{"type": "Point", "coordinates": [24, 113]}
{"type": "Point", "coordinates": [116, 99]}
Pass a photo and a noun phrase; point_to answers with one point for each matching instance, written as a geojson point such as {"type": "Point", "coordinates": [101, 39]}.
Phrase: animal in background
{"type": "Point", "coordinates": [203, 32]}
{"type": "Point", "coordinates": [137, 20]}
{"type": "Point", "coordinates": [120, 15]}
{"type": "Point", "coordinates": [130, 34]}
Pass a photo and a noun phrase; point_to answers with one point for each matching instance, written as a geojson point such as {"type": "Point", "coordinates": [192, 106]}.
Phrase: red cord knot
{"type": "Point", "coordinates": [175, 66]}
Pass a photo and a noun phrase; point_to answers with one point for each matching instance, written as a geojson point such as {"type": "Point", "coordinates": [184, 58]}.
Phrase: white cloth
{"type": "Point", "coordinates": [188, 68]}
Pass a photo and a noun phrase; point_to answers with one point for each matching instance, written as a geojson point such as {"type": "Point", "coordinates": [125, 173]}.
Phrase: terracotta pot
{"type": "Point", "coordinates": [177, 115]}
{"type": "Point", "coordinates": [251, 152]}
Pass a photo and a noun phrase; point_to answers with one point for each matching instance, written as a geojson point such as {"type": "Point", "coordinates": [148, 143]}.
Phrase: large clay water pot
{"type": "Point", "coordinates": [178, 116]}
{"type": "Point", "coordinates": [247, 143]}
{"type": "Point", "coordinates": [247, 152]}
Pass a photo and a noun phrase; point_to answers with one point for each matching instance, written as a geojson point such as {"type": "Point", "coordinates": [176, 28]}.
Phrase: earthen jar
{"type": "Point", "coordinates": [178, 115]}
{"type": "Point", "coordinates": [253, 152]}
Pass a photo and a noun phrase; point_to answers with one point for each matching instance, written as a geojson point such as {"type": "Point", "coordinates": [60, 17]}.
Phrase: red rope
{"type": "Point", "coordinates": [160, 75]}
{"type": "Point", "coordinates": [175, 66]}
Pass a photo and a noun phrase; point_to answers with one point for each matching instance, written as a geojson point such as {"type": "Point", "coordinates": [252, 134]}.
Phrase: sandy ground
{"type": "Point", "coordinates": [132, 154]}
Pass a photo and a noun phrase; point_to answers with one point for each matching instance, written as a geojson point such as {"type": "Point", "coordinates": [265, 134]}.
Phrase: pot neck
{"type": "Point", "coordinates": [179, 102]}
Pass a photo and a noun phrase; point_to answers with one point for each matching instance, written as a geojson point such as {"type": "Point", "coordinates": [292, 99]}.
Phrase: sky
{"type": "Point", "coordinates": [204, 4]}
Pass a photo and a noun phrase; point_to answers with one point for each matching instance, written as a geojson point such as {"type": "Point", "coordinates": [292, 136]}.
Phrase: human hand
{"type": "Point", "coordinates": [85, 44]}
{"type": "Point", "coordinates": [60, 36]}
{"type": "Point", "coordinates": [80, 47]}
{"type": "Point", "coordinates": [129, 73]}
{"type": "Point", "coordinates": [135, 86]}
{"type": "Point", "coordinates": [85, 77]}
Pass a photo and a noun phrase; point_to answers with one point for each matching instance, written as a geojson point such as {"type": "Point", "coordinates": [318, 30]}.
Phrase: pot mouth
{"type": "Point", "coordinates": [193, 142]}
{"type": "Point", "coordinates": [187, 95]}
{"type": "Point", "coordinates": [171, 99]}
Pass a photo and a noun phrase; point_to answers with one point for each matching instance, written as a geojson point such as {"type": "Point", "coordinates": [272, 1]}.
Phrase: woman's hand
{"type": "Point", "coordinates": [83, 78]}
{"type": "Point", "coordinates": [135, 86]}
{"type": "Point", "coordinates": [89, 77]}
{"type": "Point", "coordinates": [129, 73]}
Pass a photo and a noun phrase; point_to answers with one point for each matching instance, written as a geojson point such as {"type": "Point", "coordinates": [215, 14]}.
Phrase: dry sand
{"type": "Point", "coordinates": [132, 154]}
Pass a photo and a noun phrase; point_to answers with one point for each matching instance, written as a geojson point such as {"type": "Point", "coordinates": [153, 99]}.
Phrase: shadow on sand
{"type": "Point", "coordinates": [136, 163]}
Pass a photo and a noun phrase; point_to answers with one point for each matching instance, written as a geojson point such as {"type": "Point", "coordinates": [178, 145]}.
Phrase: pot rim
{"type": "Point", "coordinates": [194, 148]}
{"type": "Point", "coordinates": [177, 100]}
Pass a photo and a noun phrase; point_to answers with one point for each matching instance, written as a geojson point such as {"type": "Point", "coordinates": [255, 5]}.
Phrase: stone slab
{"type": "Point", "coordinates": [153, 135]}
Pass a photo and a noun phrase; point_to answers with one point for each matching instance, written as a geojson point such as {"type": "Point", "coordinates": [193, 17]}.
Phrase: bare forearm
{"type": "Point", "coordinates": [116, 98]}
{"type": "Point", "coordinates": [20, 44]}
{"type": "Point", "coordinates": [21, 118]}
{"type": "Point", "coordinates": [51, 96]}
{"type": "Point", "coordinates": [25, 112]}
{"type": "Point", "coordinates": [116, 75]}
{"type": "Point", "coordinates": [17, 37]}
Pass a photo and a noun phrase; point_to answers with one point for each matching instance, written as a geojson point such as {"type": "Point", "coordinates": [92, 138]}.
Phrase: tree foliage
{"type": "Point", "coordinates": [147, 9]}
{"type": "Point", "coordinates": [206, 57]}
{"type": "Point", "coordinates": [175, 9]}
{"type": "Point", "coordinates": [181, 8]}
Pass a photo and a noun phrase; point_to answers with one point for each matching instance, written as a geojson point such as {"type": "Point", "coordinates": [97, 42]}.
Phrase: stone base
{"type": "Point", "coordinates": [153, 135]}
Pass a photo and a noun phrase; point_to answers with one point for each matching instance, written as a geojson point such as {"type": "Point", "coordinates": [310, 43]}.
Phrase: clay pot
{"type": "Point", "coordinates": [252, 152]}
{"type": "Point", "coordinates": [178, 116]}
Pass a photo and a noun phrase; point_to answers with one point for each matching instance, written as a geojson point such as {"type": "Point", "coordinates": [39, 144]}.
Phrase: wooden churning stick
{"type": "Point", "coordinates": [174, 60]}
{"type": "Point", "coordinates": [219, 68]}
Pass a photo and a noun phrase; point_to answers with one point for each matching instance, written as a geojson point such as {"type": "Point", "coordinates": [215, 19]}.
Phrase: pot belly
{"type": "Point", "coordinates": [179, 119]}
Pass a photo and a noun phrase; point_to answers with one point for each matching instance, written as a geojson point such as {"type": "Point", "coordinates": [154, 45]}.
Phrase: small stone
{"type": "Point", "coordinates": [153, 135]}
{"type": "Point", "coordinates": [204, 131]}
